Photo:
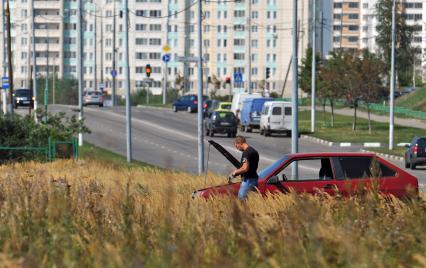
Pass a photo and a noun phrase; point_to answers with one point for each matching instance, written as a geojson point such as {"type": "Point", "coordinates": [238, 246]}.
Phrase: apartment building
{"type": "Point", "coordinates": [154, 24]}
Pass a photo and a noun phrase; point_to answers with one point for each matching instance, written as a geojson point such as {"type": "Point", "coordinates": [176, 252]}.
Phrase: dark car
{"type": "Point", "coordinates": [333, 173]}
{"type": "Point", "coordinates": [93, 98]}
{"type": "Point", "coordinates": [224, 122]}
{"type": "Point", "coordinates": [23, 97]}
{"type": "Point", "coordinates": [187, 103]}
{"type": "Point", "coordinates": [415, 155]}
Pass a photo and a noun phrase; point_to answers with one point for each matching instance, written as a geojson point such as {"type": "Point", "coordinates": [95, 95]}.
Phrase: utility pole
{"type": "Point", "coordinates": [102, 49]}
{"type": "Point", "coordinates": [313, 75]}
{"type": "Point", "coordinates": [95, 44]}
{"type": "Point", "coordinates": [54, 81]}
{"type": "Point", "coordinates": [248, 46]}
{"type": "Point", "coordinates": [9, 59]}
{"type": "Point", "coordinates": [80, 68]}
{"type": "Point", "coordinates": [165, 71]}
{"type": "Point", "coordinates": [114, 81]}
{"type": "Point", "coordinates": [294, 86]}
{"type": "Point", "coordinates": [3, 91]}
{"type": "Point", "coordinates": [392, 82]}
{"type": "Point", "coordinates": [341, 24]}
{"type": "Point", "coordinates": [127, 81]}
{"type": "Point", "coordinates": [34, 61]}
{"type": "Point", "coordinates": [200, 92]}
{"type": "Point", "coordinates": [46, 88]}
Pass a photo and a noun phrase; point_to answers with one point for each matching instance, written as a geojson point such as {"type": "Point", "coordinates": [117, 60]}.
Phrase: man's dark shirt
{"type": "Point", "coordinates": [252, 157]}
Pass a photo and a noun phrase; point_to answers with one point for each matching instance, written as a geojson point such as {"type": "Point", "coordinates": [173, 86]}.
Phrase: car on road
{"type": "Point", "coordinates": [250, 113]}
{"type": "Point", "coordinates": [187, 103]}
{"type": "Point", "coordinates": [415, 154]}
{"type": "Point", "coordinates": [219, 121]}
{"type": "Point", "coordinates": [276, 118]}
{"type": "Point", "coordinates": [93, 98]}
{"type": "Point", "coordinates": [23, 97]}
{"type": "Point", "coordinates": [213, 105]}
{"type": "Point", "coordinates": [332, 173]}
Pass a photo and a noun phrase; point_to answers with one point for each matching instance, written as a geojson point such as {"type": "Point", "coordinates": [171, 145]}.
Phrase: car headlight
{"type": "Point", "coordinates": [196, 194]}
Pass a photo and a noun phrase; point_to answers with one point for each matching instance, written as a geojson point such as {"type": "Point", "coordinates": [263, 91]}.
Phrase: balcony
{"type": "Point", "coordinates": [47, 4]}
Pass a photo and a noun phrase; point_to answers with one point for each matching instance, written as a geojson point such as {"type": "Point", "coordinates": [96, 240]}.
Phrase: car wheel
{"type": "Point", "coordinates": [189, 109]}
{"type": "Point", "coordinates": [174, 108]}
{"type": "Point", "coordinates": [101, 105]}
{"type": "Point", "coordinates": [412, 165]}
{"type": "Point", "coordinates": [288, 133]}
{"type": "Point", "coordinates": [234, 134]}
{"type": "Point", "coordinates": [211, 133]}
{"type": "Point", "coordinates": [207, 132]}
{"type": "Point", "coordinates": [267, 133]}
{"type": "Point", "coordinates": [261, 131]}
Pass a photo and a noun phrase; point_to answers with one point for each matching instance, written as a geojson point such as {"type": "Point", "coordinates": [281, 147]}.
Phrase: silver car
{"type": "Point", "coordinates": [93, 98]}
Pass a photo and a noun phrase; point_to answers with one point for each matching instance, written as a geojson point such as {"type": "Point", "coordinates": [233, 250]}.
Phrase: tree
{"type": "Point", "coordinates": [371, 70]}
{"type": "Point", "coordinates": [305, 70]}
{"type": "Point", "coordinates": [404, 34]}
{"type": "Point", "coordinates": [331, 85]}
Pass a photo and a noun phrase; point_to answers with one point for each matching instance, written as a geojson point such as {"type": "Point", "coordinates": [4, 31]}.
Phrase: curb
{"type": "Point", "coordinates": [307, 137]}
{"type": "Point", "coordinates": [390, 156]}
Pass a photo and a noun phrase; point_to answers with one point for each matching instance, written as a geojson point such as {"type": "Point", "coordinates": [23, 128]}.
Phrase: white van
{"type": "Point", "coordinates": [238, 99]}
{"type": "Point", "coordinates": [276, 118]}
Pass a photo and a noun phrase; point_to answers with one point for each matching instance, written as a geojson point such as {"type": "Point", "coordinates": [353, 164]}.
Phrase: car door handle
{"type": "Point", "coordinates": [328, 186]}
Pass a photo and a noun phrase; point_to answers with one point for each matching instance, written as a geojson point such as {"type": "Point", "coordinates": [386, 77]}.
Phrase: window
{"type": "Point", "coordinates": [319, 169]}
{"type": "Point", "coordinates": [362, 167]}
{"type": "Point", "coordinates": [287, 110]}
{"type": "Point", "coordinates": [353, 16]}
{"type": "Point", "coordinates": [353, 5]}
{"type": "Point", "coordinates": [276, 111]}
{"type": "Point", "coordinates": [337, 5]}
{"type": "Point", "coordinates": [353, 39]}
{"type": "Point", "coordinates": [239, 13]}
{"type": "Point", "coordinates": [353, 27]}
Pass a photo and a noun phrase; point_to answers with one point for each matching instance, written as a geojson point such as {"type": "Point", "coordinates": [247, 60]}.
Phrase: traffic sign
{"type": "Point", "coordinates": [5, 82]}
{"type": "Point", "coordinates": [166, 57]}
{"type": "Point", "coordinates": [114, 73]}
{"type": "Point", "coordinates": [101, 86]}
{"type": "Point", "coordinates": [238, 77]}
{"type": "Point", "coordinates": [166, 48]}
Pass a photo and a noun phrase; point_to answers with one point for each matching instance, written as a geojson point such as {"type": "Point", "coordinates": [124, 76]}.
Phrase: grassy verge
{"type": "Point", "coordinates": [342, 131]}
{"type": "Point", "coordinates": [399, 151]}
{"type": "Point", "coordinates": [94, 153]}
{"type": "Point", "coordinates": [88, 214]}
{"type": "Point", "coordinates": [415, 100]}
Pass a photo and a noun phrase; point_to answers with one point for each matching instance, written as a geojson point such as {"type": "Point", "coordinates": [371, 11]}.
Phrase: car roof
{"type": "Point", "coordinates": [331, 154]}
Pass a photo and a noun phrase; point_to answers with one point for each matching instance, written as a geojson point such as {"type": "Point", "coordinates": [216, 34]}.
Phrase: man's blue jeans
{"type": "Point", "coordinates": [247, 185]}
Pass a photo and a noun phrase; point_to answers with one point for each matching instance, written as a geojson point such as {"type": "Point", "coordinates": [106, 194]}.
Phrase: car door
{"type": "Point", "coordinates": [359, 173]}
{"type": "Point", "coordinates": [276, 117]}
{"type": "Point", "coordinates": [303, 176]}
{"type": "Point", "coordinates": [287, 117]}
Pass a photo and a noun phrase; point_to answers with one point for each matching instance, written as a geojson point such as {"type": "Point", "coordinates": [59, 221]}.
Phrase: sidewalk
{"type": "Point", "coordinates": [406, 122]}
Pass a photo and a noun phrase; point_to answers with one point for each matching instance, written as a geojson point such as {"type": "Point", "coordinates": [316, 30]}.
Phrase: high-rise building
{"type": "Point", "coordinates": [153, 25]}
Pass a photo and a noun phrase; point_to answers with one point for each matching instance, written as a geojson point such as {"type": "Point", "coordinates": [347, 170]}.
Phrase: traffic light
{"type": "Point", "coordinates": [228, 80]}
{"type": "Point", "coordinates": [148, 70]}
{"type": "Point", "coordinates": [268, 72]}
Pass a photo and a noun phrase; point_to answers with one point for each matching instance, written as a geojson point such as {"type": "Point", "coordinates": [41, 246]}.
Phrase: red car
{"type": "Point", "coordinates": [344, 173]}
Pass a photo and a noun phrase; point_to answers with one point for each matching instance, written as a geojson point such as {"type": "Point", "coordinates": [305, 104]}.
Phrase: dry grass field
{"type": "Point", "coordinates": [91, 214]}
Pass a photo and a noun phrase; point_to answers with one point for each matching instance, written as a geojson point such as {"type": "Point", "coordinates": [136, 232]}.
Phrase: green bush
{"type": "Point", "coordinates": [23, 131]}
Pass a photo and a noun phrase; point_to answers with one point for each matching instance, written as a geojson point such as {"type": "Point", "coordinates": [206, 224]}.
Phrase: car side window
{"type": "Point", "coordinates": [265, 110]}
{"type": "Point", "coordinates": [276, 111]}
{"type": "Point", "coordinates": [307, 170]}
{"type": "Point", "coordinates": [287, 111]}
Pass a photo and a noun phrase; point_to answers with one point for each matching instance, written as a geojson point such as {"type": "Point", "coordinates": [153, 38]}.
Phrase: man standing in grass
{"type": "Point", "coordinates": [248, 169]}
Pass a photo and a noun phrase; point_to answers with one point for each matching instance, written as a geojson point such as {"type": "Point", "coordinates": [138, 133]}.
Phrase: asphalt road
{"type": "Point", "coordinates": [167, 139]}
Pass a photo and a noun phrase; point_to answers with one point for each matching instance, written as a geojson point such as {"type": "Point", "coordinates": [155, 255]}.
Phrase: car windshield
{"type": "Point", "coordinates": [226, 106]}
{"type": "Point", "coordinates": [22, 93]}
{"type": "Point", "coordinates": [93, 93]}
{"type": "Point", "coordinates": [226, 116]}
{"type": "Point", "coordinates": [272, 167]}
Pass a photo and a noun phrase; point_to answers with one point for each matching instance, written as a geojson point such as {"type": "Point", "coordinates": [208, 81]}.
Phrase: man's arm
{"type": "Point", "coordinates": [243, 169]}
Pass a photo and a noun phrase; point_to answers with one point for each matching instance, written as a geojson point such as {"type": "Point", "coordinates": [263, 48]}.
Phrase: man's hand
{"type": "Point", "coordinates": [230, 177]}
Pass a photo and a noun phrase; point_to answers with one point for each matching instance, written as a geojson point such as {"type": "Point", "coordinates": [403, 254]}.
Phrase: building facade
{"type": "Point", "coordinates": [154, 24]}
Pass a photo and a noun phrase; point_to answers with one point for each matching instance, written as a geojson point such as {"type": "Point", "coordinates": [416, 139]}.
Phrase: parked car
{"type": "Point", "coordinates": [93, 98]}
{"type": "Point", "coordinates": [343, 173]}
{"type": "Point", "coordinates": [187, 103]}
{"type": "Point", "coordinates": [250, 114]}
{"type": "Point", "coordinates": [221, 122]}
{"type": "Point", "coordinates": [23, 97]}
{"type": "Point", "coordinates": [407, 90]}
{"type": "Point", "coordinates": [415, 154]}
{"type": "Point", "coordinates": [275, 118]}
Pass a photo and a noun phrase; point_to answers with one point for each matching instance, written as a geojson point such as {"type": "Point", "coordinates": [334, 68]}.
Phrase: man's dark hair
{"type": "Point", "coordinates": [240, 139]}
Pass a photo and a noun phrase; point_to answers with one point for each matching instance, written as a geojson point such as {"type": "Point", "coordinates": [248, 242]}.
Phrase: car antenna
{"type": "Point", "coordinates": [207, 165]}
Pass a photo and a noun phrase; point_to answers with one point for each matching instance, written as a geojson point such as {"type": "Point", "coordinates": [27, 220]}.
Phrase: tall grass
{"type": "Point", "coordinates": [86, 214]}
